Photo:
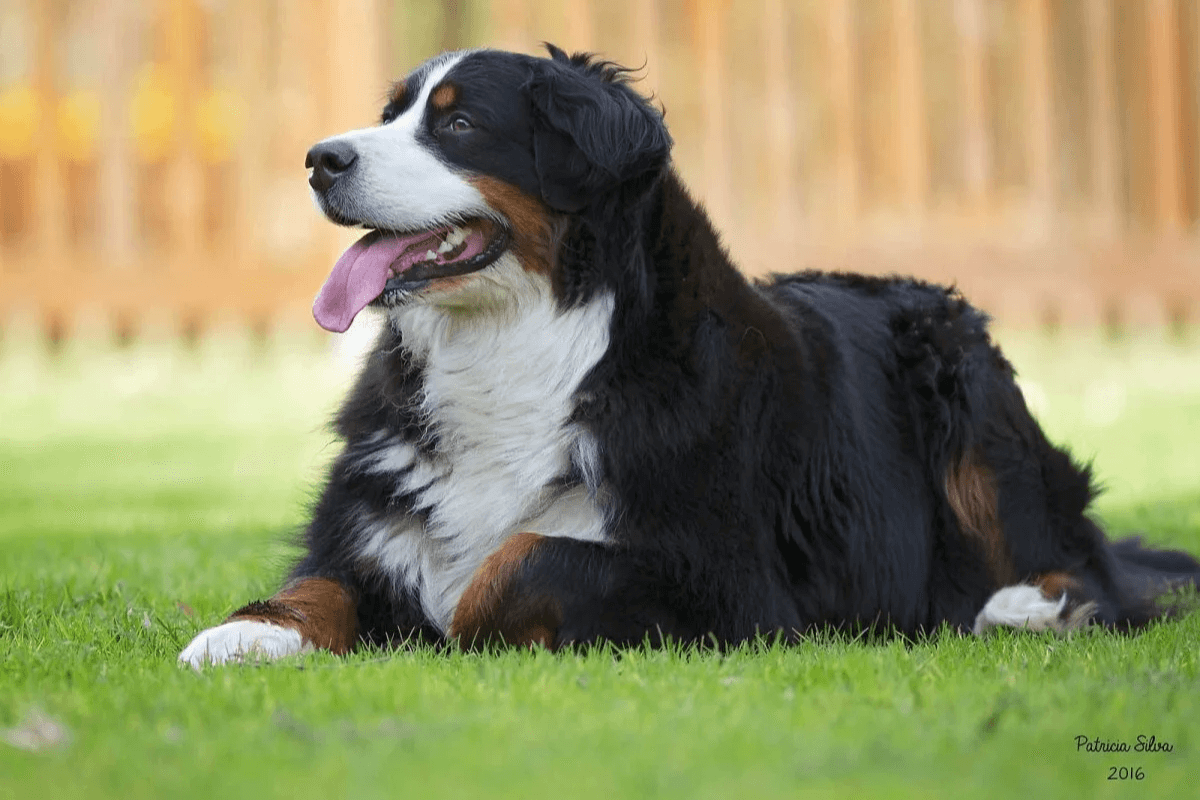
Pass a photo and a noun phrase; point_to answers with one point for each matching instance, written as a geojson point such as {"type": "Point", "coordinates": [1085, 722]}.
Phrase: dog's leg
{"type": "Point", "coordinates": [551, 591]}
{"type": "Point", "coordinates": [495, 606]}
{"type": "Point", "coordinates": [309, 613]}
{"type": "Point", "coordinates": [1053, 601]}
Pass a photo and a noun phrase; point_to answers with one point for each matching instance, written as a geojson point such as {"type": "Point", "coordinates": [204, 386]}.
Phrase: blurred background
{"type": "Point", "coordinates": [159, 251]}
{"type": "Point", "coordinates": [1041, 153]}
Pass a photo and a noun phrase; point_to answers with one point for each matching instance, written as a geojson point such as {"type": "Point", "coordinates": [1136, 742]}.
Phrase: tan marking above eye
{"type": "Point", "coordinates": [397, 94]}
{"type": "Point", "coordinates": [444, 96]}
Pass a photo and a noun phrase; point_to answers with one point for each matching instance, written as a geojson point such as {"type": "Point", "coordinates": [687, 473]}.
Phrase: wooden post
{"type": "Point", "coordinates": [353, 54]}
{"type": "Point", "coordinates": [1035, 30]}
{"type": "Point", "coordinates": [49, 201]}
{"type": "Point", "coordinates": [842, 96]}
{"type": "Point", "coordinates": [708, 41]}
{"type": "Point", "coordinates": [911, 144]}
{"type": "Point", "coordinates": [183, 22]}
{"type": "Point", "coordinates": [510, 24]}
{"type": "Point", "coordinates": [250, 85]}
{"type": "Point", "coordinates": [1192, 84]}
{"type": "Point", "coordinates": [116, 166]}
{"type": "Point", "coordinates": [645, 40]}
{"type": "Point", "coordinates": [578, 28]}
{"type": "Point", "coordinates": [1102, 100]}
{"type": "Point", "coordinates": [1162, 33]}
{"type": "Point", "coordinates": [977, 157]}
{"type": "Point", "coordinates": [780, 118]}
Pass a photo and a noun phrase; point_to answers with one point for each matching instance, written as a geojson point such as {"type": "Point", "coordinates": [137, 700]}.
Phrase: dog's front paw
{"type": "Point", "coordinates": [242, 640]}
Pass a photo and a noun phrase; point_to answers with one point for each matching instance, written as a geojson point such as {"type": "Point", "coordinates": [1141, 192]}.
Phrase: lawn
{"type": "Point", "coordinates": [146, 492]}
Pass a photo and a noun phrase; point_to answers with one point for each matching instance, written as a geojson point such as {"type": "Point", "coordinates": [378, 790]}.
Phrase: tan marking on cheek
{"type": "Point", "coordinates": [444, 96]}
{"type": "Point", "coordinates": [971, 491]}
{"type": "Point", "coordinates": [530, 220]}
{"type": "Point", "coordinates": [322, 610]}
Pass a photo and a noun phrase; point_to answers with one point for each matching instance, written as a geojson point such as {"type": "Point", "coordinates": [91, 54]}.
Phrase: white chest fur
{"type": "Point", "coordinates": [499, 389]}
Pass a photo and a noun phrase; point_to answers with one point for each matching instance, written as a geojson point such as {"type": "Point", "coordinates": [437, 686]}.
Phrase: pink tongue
{"type": "Point", "coordinates": [359, 276]}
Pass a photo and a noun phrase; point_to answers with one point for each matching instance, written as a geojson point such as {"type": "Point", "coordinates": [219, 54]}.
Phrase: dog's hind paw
{"type": "Point", "coordinates": [242, 640]}
{"type": "Point", "coordinates": [1025, 606]}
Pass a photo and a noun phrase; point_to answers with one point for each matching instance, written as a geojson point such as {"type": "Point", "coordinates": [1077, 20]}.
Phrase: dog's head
{"type": "Point", "coordinates": [478, 158]}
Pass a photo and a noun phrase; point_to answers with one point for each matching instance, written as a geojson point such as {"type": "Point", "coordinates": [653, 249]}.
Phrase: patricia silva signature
{"type": "Point", "coordinates": [1143, 744]}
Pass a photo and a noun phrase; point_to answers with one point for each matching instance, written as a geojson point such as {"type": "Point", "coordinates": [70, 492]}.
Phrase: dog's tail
{"type": "Point", "coordinates": [1152, 583]}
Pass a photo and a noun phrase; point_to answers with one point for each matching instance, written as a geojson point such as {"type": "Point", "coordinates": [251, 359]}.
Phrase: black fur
{"type": "Point", "coordinates": [773, 454]}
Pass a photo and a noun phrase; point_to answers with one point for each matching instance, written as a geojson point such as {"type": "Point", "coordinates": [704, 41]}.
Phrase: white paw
{"type": "Point", "coordinates": [240, 640]}
{"type": "Point", "coordinates": [1021, 606]}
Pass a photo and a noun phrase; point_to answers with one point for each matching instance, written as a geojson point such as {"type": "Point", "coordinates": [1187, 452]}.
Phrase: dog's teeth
{"type": "Point", "coordinates": [446, 246]}
{"type": "Point", "coordinates": [430, 255]}
{"type": "Point", "coordinates": [456, 237]}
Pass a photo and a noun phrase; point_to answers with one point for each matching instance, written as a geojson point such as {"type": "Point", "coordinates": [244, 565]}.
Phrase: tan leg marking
{"type": "Point", "coordinates": [320, 609]}
{"type": "Point", "coordinates": [491, 610]}
{"type": "Point", "coordinates": [1057, 584]}
{"type": "Point", "coordinates": [971, 490]}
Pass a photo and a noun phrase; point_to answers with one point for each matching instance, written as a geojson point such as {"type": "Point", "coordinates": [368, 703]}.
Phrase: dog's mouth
{"type": "Point", "coordinates": [392, 261]}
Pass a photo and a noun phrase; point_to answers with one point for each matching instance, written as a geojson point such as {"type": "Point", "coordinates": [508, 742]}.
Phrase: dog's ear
{"type": "Point", "coordinates": [591, 132]}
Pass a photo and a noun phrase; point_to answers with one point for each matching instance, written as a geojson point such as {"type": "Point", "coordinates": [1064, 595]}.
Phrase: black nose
{"type": "Point", "coordinates": [328, 162]}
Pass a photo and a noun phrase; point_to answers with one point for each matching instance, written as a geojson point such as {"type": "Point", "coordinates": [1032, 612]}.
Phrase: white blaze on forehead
{"type": "Point", "coordinates": [399, 182]}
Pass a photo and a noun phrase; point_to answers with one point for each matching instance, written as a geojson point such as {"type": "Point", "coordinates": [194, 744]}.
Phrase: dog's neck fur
{"type": "Point", "coordinates": [499, 380]}
{"type": "Point", "coordinates": [500, 375]}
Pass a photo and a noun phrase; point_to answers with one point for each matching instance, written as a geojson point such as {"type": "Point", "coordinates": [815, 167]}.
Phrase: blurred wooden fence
{"type": "Point", "coordinates": [1041, 153]}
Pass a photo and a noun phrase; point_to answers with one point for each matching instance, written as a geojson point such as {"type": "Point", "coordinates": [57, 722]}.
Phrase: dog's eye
{"type": "Point", "coordinates": [459, 124]}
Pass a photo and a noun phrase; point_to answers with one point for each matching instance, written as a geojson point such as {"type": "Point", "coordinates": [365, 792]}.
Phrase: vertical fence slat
{"type": "Point", "coordinates": [645, 47]}
{"type": "Point", "coordinates": [910, 109]}
{"type": "Point", "coordinates": [1035, 58]}
{"type": "Point", "coordinates": [708, 41]}
{"type": "Point", "coordinates": [578, 28]}
{"type": "Point", "coordinates": [1191, 30]}
{"type": "Point", "coordinates": [780, 116]}
{"type": "Point", "coordinates": [116, 168]}
{"type": "Point", "coordinates": [1102, 98]}
{"type": "Point", "coordinates": [183, 21]}
{"type": "Point", "coordinates": [352, 106]}
{"type": "Point", "coordinates": [977, 166]}
{"type": "Point", "coordinates": [249, 80]}
{"type": "Point", "coordinates": [1162, 33]}
{"type": "Point", "coordinates": [510, 22]}
{"type": "Point", "coordinates": [842, 95]}
{"type": "Point", "coordinates": [50, 202]}
{"type": "Point", "coordinates": [646, 24]}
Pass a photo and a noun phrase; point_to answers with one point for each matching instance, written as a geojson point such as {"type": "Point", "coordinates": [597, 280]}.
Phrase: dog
{"type": "Point", "coordinates": [581, 423]}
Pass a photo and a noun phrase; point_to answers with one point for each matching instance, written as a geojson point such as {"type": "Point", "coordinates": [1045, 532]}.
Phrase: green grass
{"type": "Point", "coordinates": [145, 493]}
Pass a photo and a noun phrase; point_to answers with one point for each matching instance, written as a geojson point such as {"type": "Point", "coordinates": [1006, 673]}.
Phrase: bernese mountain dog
{"type": "Point", "coordinates": [581, 423]}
